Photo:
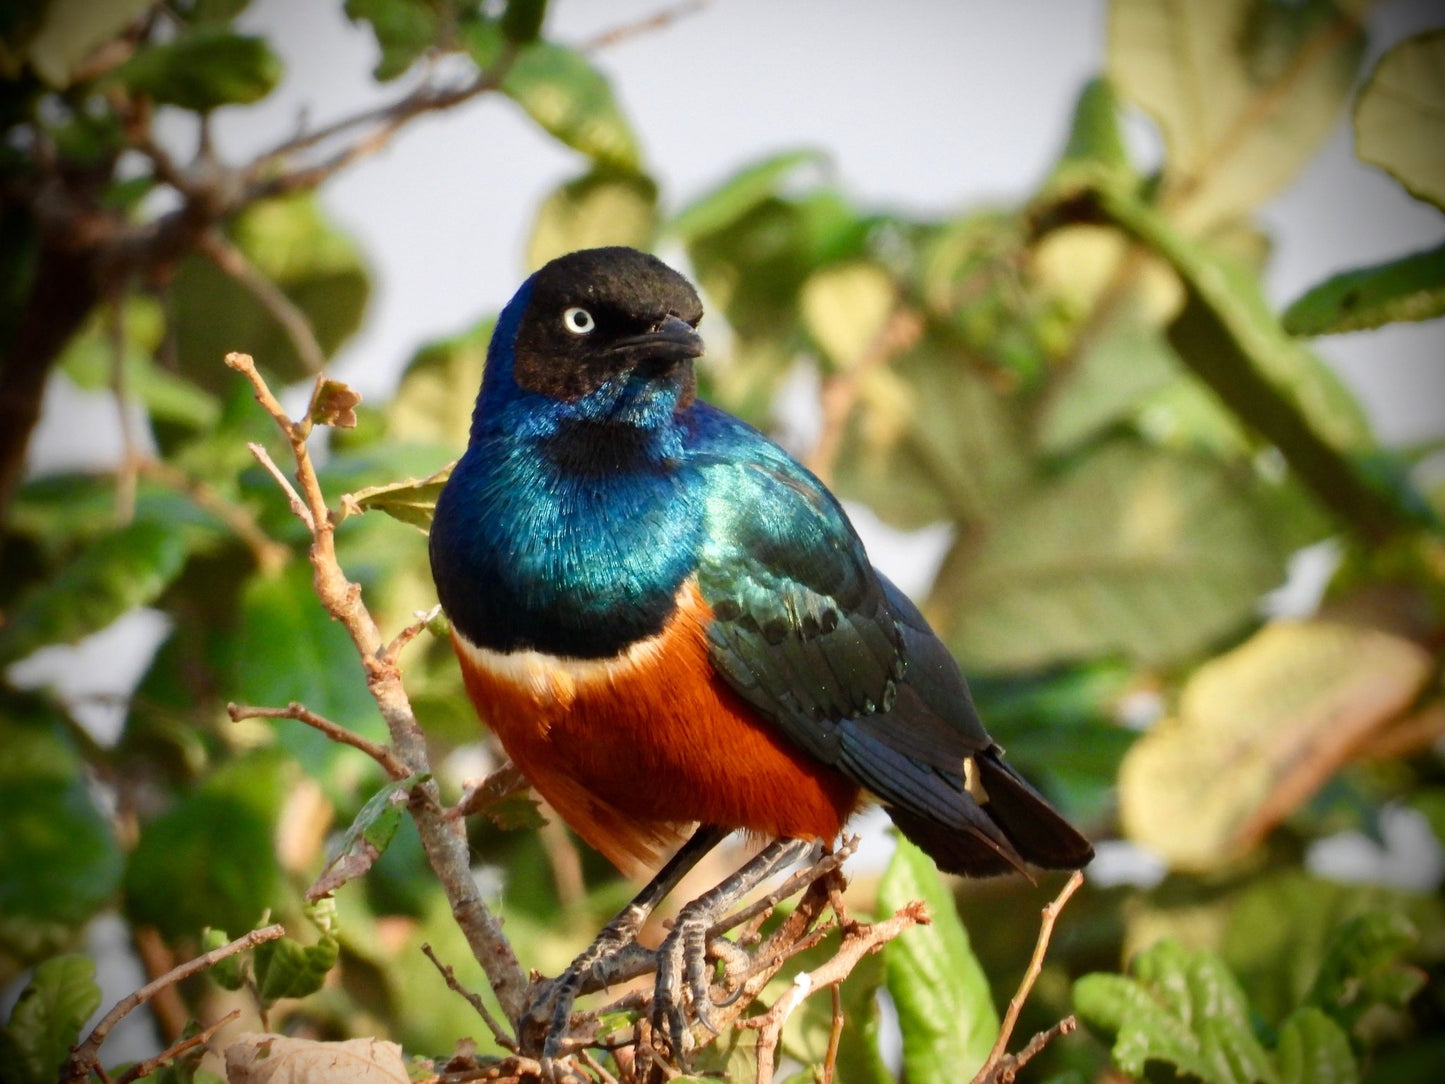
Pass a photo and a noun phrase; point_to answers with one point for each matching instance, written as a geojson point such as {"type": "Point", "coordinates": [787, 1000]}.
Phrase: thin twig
{"type": "Point", "coordinates": [1036, 964]}
{"type": "Point", "coordinates": [861, 940]}
{"type": "Point", "coordinates": [443, 839]}
{"type": "Point", "coordinates": [835, 1036]}
{"type": "Point", "coordinates": [504, 1038]}
{"type": "Point", "coordinates": [335, 731]}
{"type": "Point", "coordinates": [659, 20]}
{"type": "Point", "coordinates": [270, 555]}
{"type": "Point", "coordinates": [298, 506]}
{"type": "Point", "coordinates": [1008, 1066]}
{"type": "Point", "coordinates": [145, 1068]}
{"type": "Point", "coordinates": [410, 633]}
{"type": "Point", "coordinates": [233, 262]}
{"type": "Point", "coordinates": [85, 1057]}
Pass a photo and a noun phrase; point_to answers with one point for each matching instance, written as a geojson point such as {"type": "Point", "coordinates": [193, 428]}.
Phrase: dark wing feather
{"type": "Point", "coordinates": [842, 662]}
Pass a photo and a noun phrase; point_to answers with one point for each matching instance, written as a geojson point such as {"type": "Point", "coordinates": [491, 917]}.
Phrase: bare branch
{"type": "Point", "coordinates": [504, 1038]}
{"type": "Point", "coordinates": [84, 1059]}
{"type": "Point", "coordinates": [145, 1068]}
{"type": "Point", "coordinates": [335, 731]}
{"type": "Point", "coordinates": [1006, 1069]}
{"type": "Point", "coordinates": [443, 839]}
{"type": "Point", "coordinates": [1026, 985]}
{"type": "Point", "coordinates": [298, 506]}
{"type": "Point", "coordinates": [659, 20]}
{"type": "Point", "coordinates": [233, 262]}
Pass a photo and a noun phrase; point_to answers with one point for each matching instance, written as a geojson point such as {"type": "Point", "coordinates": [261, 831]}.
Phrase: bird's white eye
{"type": "Point", "coordinates": [578, 321]}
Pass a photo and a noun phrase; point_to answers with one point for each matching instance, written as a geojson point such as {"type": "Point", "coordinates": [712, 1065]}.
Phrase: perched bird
{"type": "Point", "coordinates": [668, 621]}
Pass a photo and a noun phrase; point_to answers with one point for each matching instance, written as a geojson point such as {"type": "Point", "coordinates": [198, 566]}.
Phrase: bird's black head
{"type": "Point", "coordinates": [600, 319]}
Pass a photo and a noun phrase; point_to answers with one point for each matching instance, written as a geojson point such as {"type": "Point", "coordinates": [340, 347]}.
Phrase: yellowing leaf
{"type": "Point", "coordinates": [257, 1058]}
{"type": "Point", "coordinates": [1258, 731]}
{"type": "Point", "coordinates": [846, 307]}
{"type": "Point", "coordinates": [411, 501]}
{"type": "Point", "coordinates": [1244, 92]}
{"type": "Point", "coordinates": [1400, 116]}
{"type": "Point", "coordinates": [597, 209]}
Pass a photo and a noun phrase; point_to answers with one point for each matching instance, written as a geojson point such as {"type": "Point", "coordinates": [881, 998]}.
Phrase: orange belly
{"type": "Point", "coordinates": [631, 751]}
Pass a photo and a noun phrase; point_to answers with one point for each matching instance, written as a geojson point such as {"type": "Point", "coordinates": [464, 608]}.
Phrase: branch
{"type": "Point", "coordinates": [335, 731]}
{"type": "Point", "coordinates": [145, 1068]}
{"type": "Point", "coordinates": [232, 261]}
{"type": "Point", "coordinates": [858, 941]}
{"type": "Point", "coordinates": [991, 1073]}
{"type": "Point", "coordinates": [504, 1039]}
{"type": "Point", "coordinates": [443, 839]}
{"type": "Point", "coordinates": [85, 1057]}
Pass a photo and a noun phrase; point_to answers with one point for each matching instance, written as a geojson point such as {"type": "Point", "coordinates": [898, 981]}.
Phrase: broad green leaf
{"type": "Point", "coordinates": [1313, 1050]}
{"type": "Point", "coordinates": [288, 648]}
{"type": "Point", "coordinates": [1362, 967]}
{"type": "Point", "coordinates": [1132, 550]}
{"type": "Point", "coordinates": [116, 572]}
{"type": "Point", "coordinates": [945, 1009]}
{"type": "Point", "coordinates": [203, 69]}
{"type": "Point", "coordinates": [404, 29]}
{"type": "Point", "coordinates": [1400, 116]}
{"type": "Point", "coordinates": [411, 501]}
{"type": "Point", "coordinates": [739, 194]}
{"type": "Point", "coordinates": [287, 968]}
{"type": "Point", "coordinates": [564, 93]}
{"type": "Point", "coordinates": [1288, 706]}
{"type": "Point", "coordinates": [1119, 363]}
{"type": "Point", "coordinates": [289, 241]}
{"type": "Point", "coordinates": [210, 860]}
{"type": "Point", "coordinates": [931, 439]}
{"type": "Point", "coordinates": [47, 1019]}
{"type": "Point", "coordinates": [1410, 288]}
{"type": "Point", "coordinates": [845, 307]}
{"type": "Point", "coordinates": [592, 211]}
{"type": "Point", "coordinates": [61, 861]}
{"type": "Point", "coordinates": [71, 30]}
{"type": "Point", "coordinates": [1244, 92]}
{"type": "Point", "coordinates": [434, 402]}
{"type": "Point", "coordinates": [1181, 1008]}
{"type": "Point", "coordinates": [367, 838]}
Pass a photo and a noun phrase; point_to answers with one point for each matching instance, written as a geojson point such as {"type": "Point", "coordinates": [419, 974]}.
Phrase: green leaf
{"type": "Point", "coordinates": [1410, 288]}
{"type": "Point", "coordinates": [210, 860]}
{"type": "Point", "coordinates": [229, 973]}
{"type": "Point", "coordinates": [1095, 141]}
{"type": "Point", "coordinates": [1282, 710]}
{"type": "Point", "coordinates": [366, 840]}
{"type": "Point", "coordinates": [1244, 93]}
{"type": "Point", "coordinates": [1313, 1050]}
{"type": "Point", "coordinates": [411, 501]}
{"type": "Point", "coordinates": [289, 649]}
{"type": "Point", "coordinates": [1400, 116]}
{"type": "Point", "coordinates": [61, 861]}
{"type": "Point", "coordinates": [319, 268]}
{"type": "Point", "coordinates": [47, 1019]}
{"type": "Point", "coordinates": [1182, 1008]}
{"type": "Point", "coordinates": [597, 209]}
{"type": "Point", "coordinates": [434, 402]}
{"type": "Point", "coordinates": [1131, 550]}
{"type": "Point", "coordinates": [945, 1009]}
{"type": "Point", "coordinates": [71, 30]}
{"type": "Point", "coordinates": [1362, 967]}
{"type": "Point", "coordinates": [404, 29]}
{"type": "Point", "coordinates": [561, 90]}
{"type": "Point", "coordinates": [738, 195]}
{"type": "Point", "coordinates": [845, 307]}
{"type": "Point", "coordinates": [931, 440]}
{"type": "Point", "coordinates": [204, 69]}
{"type": "Point", "coordinates": [522, 21]}
{"type": "Point", "coordinates": [286, 968]}
{"type": "Point", "coordinates": [116, 572]}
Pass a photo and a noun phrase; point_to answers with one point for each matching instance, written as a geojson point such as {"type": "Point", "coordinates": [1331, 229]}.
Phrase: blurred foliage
{"type": "Point", "coordinates": [1125, 442]}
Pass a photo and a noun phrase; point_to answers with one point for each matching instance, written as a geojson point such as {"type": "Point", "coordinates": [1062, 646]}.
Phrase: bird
{"type": "Point", "coordinates": [668, 621]}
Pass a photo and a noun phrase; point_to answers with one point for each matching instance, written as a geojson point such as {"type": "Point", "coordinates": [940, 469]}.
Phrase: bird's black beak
{"type": "Point", "coordinates": [672, 341]}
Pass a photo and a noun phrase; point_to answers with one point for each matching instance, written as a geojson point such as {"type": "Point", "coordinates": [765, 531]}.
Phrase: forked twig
{"type": "Point", "coordinates": [335, 731]}
{"type": "Point", "coordinates": [85, 1058]}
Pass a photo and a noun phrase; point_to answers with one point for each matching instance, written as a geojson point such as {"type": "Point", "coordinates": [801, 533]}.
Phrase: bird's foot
{"type": "Point", "coordinates": [612, 956]}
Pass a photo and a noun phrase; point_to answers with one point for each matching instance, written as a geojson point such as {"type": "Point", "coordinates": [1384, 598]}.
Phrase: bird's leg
{"type": "Point", "coordinates": [598, 964]}
{"type": "Point", "coordinates": [682, 956]}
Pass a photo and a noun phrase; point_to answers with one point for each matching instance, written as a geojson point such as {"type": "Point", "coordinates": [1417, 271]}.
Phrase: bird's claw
{"type": "Point", "coordinates": [683, 971]}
